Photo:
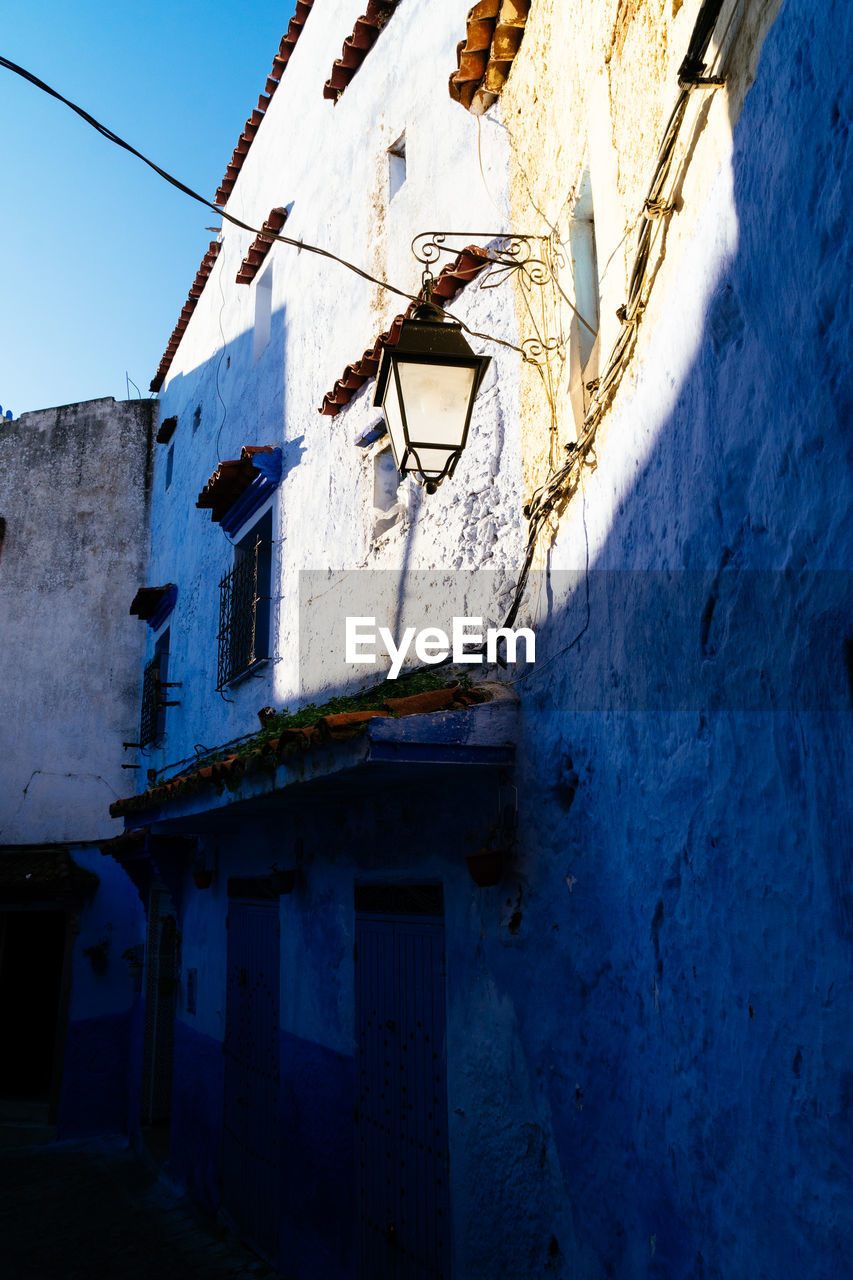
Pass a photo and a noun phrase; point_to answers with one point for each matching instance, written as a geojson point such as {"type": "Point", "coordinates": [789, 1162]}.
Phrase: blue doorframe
{"type": "Point", "coordinates": [401, 1118]}
{"type": "Point", "coordinates": [251, 1174]}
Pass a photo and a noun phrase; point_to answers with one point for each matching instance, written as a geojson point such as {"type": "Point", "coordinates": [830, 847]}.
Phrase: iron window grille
{"type": "Point", "coordinates": [244, 607]}
{"type": "Point", "coordinates": [152, 719]}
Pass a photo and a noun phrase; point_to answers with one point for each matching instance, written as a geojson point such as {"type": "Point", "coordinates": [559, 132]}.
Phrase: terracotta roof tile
{"type": "Point", "coordinates": [279, 64]}
{"type": "Point", "coordinates": [292, 742]}
{"type": "Point", "coordinates": [494, 32]}
{"type": "Point", "coordinates": [450, 281]}
{"type": "Point", "coordinates": [358, 45]}
{"type": "Point", "coordinates": [230, 481]}
{"type": "Point", "coordinates": [168, 425]}
{"type": "Point", "coordinates": [187, 309]}
{"type": "Point", "coordinates": [261, 246]}
{"type": "Point", "coordinates": [148, 600]}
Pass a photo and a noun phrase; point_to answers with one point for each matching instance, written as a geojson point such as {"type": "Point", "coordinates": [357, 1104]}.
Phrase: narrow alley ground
{"type": "Point", "coordinates": [96, 1211]}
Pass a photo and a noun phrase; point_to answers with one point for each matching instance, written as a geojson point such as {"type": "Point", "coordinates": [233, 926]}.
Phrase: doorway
{"type": "Point", "coordinates": [251, 1176]}
{"type": "Point", "coordinates": [32, 953]}
{"type": "Point", "coordinates": [162, 971]}
{"type": "Point", "coordinates": [401, 1115]}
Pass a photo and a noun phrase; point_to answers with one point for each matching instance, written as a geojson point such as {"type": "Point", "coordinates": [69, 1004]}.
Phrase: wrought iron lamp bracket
{"type": "Point", "coordinates": [534, 260]}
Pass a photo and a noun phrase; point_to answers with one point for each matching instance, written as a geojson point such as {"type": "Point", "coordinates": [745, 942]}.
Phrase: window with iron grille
{"type": "Point", "coordinates": [152, 720]}
{"type": "Point", "coordinates": [244, 605]}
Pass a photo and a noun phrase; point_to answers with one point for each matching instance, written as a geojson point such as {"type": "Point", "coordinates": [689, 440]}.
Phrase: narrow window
{"type": "Point", "coordinates": [196, 418]}
{"type": "Point", "coordinates": [263, 313]}
{"type": "Point", "coordinates": [152, 720]}
{"type": "Point", "coordinates": [170, 458]}
{"type": "Point", "coordinates": [585, 267]}
{"type": "Point", "coordinates": [584, 330]}
{"type": "Point", "coordinates": [396, 166]}
{"type": "Point", "coordinates": [244, 605]}
{"type": "Point", "coordinates": [387, 510]}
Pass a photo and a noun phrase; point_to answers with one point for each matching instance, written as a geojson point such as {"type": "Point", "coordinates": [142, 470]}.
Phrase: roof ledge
{"type": "Point", "coordinates": [353, 753]}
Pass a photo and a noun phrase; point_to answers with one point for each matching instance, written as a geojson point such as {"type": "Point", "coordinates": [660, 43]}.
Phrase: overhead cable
{"type": "Point", "coordinates": [194, 195]}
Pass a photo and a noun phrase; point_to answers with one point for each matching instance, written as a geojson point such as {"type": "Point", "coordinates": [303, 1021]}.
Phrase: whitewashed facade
{"type": "Point", "coordinates": [648, 1012]}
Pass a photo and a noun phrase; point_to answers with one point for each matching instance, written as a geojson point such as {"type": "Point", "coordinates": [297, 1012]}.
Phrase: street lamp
{"type": "Point", "coordinates": [426, 387]}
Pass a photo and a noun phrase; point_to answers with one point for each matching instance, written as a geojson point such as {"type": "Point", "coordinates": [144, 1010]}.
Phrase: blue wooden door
{"type": "Point", "coordinates": [402, 1155]}
{"type": "Point", "coordinates": [251, 1130]}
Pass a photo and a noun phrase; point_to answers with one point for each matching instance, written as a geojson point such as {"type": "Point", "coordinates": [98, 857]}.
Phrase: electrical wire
{"type": "Point", "coordinates": [540, 667]}
{"type": "Point", "coordinates": [505, 217]}
{"type": "Point", "coordinates": [194, 195]}
{"type": "Point", "coordinates": [299, 245]}
{"type": "Point", "coordinates": [551, 497]}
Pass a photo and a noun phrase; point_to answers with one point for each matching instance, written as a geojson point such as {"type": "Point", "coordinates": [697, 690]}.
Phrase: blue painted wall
{"type": "Point", "coordinates": [94, 1097]}
{"type": "Point", "coordinates": [100, 1063]}
{"type": "Point", "coordinates": [196, 1132]}
{"type": "Point", "coordinates": [678, 972]}
{"type": "Point", "coordinates": [648, 1022]}
{"type": "Point", "coordinates": [317, 1154]}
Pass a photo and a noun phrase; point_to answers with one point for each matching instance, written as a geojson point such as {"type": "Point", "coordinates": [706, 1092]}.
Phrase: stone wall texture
{"type": "Point", "coordinates": [683, 878]}
{"type": "Point", "coordinates": [74, 495]}
{"type": "Point", "coordinates": [648, 1044]}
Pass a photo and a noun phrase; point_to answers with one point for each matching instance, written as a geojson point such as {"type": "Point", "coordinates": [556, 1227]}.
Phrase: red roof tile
{"type": "Point", "coordinates": [485, 56]}
{"type": "Point", "coordinates": [449, 282]}
{"type": "Point", "coordinates": [186, 311]}
{"type": "Point", "coordinates": [168, 425]}
{"type": "Point", "coordinates": [261, 246]}
{"type": "Point", "coordinates": [147, 601]}
{"type": "Point", "coordinates": [280, 61]}
{"type": "Point", "coordinates": [230, 481]}
{"type": "Point", "coordinates": [358, 45]}
{"type": "Point", "coordinates": [292, 742]}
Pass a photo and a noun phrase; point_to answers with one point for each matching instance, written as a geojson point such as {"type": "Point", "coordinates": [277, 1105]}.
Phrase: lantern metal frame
{"type": "Point", "coordinates": [430, 337]}
{"type": "Point", "coordinates": [536, 263]}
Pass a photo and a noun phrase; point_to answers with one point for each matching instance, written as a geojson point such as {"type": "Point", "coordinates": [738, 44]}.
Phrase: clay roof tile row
{"type": "Point", "coordinates": [449, 282]}
{"type": "Point", "coordinates": [357, 46]}
{"type": "Point", "coordinates": [485, 56]}
{"type": "Point", "coordinates": [260, 246]}
{"type": "Point", "coordinates": [267, 755]}
{"type": "Point", "coordinates": [230, 481]}
{"type": "Point", "coordinates": [187, 309]}
{"type": "Point", "coordinates": [244, 142]}
{"type": "Point", "coordinates": [280, 61]}
{"type": "Point", "coordinates": [147, 601]}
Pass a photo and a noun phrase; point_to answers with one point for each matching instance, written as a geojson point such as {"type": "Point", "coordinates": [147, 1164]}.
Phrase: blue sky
{"type": "Point", "coordinates": [96, 252]}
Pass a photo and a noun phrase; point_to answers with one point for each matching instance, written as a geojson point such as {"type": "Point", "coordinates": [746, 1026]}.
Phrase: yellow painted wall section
{"type": "Point", "coordinates": [590, 93]}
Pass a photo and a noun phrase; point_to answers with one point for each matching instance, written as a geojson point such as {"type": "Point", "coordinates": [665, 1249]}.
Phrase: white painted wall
{"type": "Point", "coordinates": [73, 494]}
{"type": "Point", "coordinates": [330, 162]}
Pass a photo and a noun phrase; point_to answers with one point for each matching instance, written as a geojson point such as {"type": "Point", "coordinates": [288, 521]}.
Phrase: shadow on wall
{"type": "Point", "coordinates": [241, 386]}
{"type": "Point", "coordinates": [688, 905]}
{"type": "Point", "coordinates": [678, 957]}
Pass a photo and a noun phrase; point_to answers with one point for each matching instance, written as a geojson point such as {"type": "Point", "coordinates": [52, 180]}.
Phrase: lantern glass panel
{"type": "Point", "coordinates": [437, 399]}
{"type": "Point", "coordinates": [430, 462]}
{"type": "Point", "coordinates": [394, 418]}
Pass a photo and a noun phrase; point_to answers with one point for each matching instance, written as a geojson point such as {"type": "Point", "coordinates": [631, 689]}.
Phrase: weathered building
{"type": "Point", "coordinates": [74, 507]}
{"type": "Point", "coordinates": [587, 1054]}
